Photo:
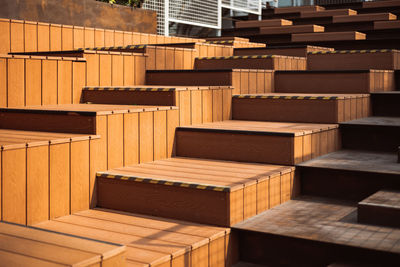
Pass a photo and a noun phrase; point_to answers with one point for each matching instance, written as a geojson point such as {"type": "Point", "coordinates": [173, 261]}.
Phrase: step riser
{"type": "Point", "coordinates": [311, 111]}
{"type": "Point", "coordinates": [385, 105]}
{"type": "Point", "coordinates": [374, 138]}
{"type": "Point", "coordinates": [291, 29]}
{"type": "Point", "coordinates": [294, 52]}
{"type": "Point", "coordinates": [255, 148]}
{"type": "Point", "coordinates": [378, 215]}
{"type": "Point", "coordinates": [341, 184]}
{"type": "Point", "coordinates": [345, 83]}
{"type": "Point", "coordinates": [321, 37]}
{"type": "Point", "coordinates": [266, 23]}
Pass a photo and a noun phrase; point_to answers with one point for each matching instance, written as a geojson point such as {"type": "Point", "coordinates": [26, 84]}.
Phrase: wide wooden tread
{"type": "Point", "coordinates": [149, 241]}
{"type": "Point", "coordinates": [31, 246]}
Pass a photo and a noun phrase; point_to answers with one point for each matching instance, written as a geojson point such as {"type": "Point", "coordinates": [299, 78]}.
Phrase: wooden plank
{"type": "Point", "coordinates": [184, 108]}
{"type": "Point", "coordinates": [55, 37]}
{"type": "Point", "coordinates": [236, 75]}
{"type": "Point", "coordinates": [169, 58]}
{"type": "Point", "coordinates": [49, 82]}
{"type": "Point", "coordinates": [268, 82]}
{"type": "Point", "coordinates": [188, 59]}
{"type": "Point", "coordinates": [129, 66]}
{"type": "Point", "coordinates": [151, 59]}
{"type": "Point", "coordinates": [152, 39]}
{"type": "Point", "coordinates": [135, 38]}
{"type": "Point", "coordinates": [79, 176]}
{"type": "Point", "coordinates": [10, 259]}
{"type": "Point", "coordinates": [89, 37]}
{"type": "Point", "coordinates": [144, 38]}
{"type": "Point", "coordinates": [146, 137]}
{"type": "Point", "coordinates": [274, 191]}
{"type": "Point", "coordinates": [140, 70]}
{"type": "Point", "coordinates": [285, 187]}
{"type": "Point", "coordinates": [3, 82]}
{"type": "Point", "coordinates": [244, 81]}
{"type": "Point", "coordinates": [59, 180]}
{"type": "Point", "coordinates": [207, 103]}
{"type": "Point", "coordinates": [115, 140]}
{"type": "Point", "coordinates": [33, 78]}
{"type": "Point", "coordinates": [217, 105]}
{"type": "Point", "coordinates": [235, 200]}
{"type": "Point", "coordinates": [64, 78]}
{"type": "Point", "coordinates": [262, 195]}
{"type": "Point", "coordinates": [43, 36]}
{"type": "Point", "coordinates": [105, 69]}
{"type": "Point", "coordinates": [128, 38]}
{"type": "Point", "coordinates": [92, 69]}
{"type": "Point", "coordinates": [14, 185]}
{"type": "Point", "coordinates": [17, 36]}
{"type": "Point", "coordinates": [131, 138]}
{"type": "Point", "coordinates": [160, 58]}
{"type": "Point", "coordinates": [160, 135]}
{"type": "Point", "coordinates": [31, 36]}
{"type": "Point", "coordinates": [99, 36]}
{"type": "Point", "coordinates": [117, 78]}
{"type": "Point", "coordinates": [172, 123]}
{"type": "Point", "coordinates": [179, 54]}
{"type": "Point", "coordinates": [196, 107]}
{"type": "Point", "coordinates": [250, 201]}
{"type": "Point", "coordinates": [78, 80]}
{"type": "Point", "coordinates": [67, 37]}
{"type": "Point", "coordinates": [260, 82]}
{"type": "Point", "coordinates": [108, 38]}
{"type": "Point", "coordinates": [227, 104]}
{"type": "Point", "coordinates": [118, 38]}
{"type": "Point", "coordinates": [37, 184]}
{"type": "Point", "coordinates": [5, 44]}
{"type": "Point", "coordinates": [79, 37]}
{"type": "Point", "coordinates": [16, 83]}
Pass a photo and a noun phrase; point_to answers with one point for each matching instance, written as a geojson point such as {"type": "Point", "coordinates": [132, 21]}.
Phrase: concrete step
{"type": "Point", "coordinates": [373, 133]}
{"type": "Point", "coordinates": [386, 104]}
{"type": "Point", "coordinates": [295, 51]}
{"type": "Point", "coordinates": [328, 36]}
{"type": "Point", "coordinates": [263, 142]}
{"type": "Point", "coordinates": [334, 81]}
{"type": "Point", "coordinates": [220, 192]}
{"type": "Point", "coordinates": [308, 108]}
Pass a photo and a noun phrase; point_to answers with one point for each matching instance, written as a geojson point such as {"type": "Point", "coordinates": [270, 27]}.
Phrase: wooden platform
{"type": "Point", "coordinates": [334, 82]}
{"type": "Point", "coordinates": [262, 23]}
{"type": "Point", "coordinates": [263, 142]}
{"type": "Point", "coordinates": [308, 108]}
{"type": "Point", "coordinates": [326, 228]}
{"type": "Point", "coordinates": [291, 29]}
{"type": "Point", "coordinates": [30, 246]}
{"type": "Point", "coordinates": [151, 241]}
{"type": "Point", "coordinates": [381, 208]}
{"type": "Point", "coordinates": [364, 17]}
{"type": "Point", "coordinates": [269, 62]}
{"type": "Point", "coordinates": [295, 51]}
{"type": "Point", "coordinates": [205, 191]}
{"type": "Point", "coordinates": [380, 59]}
{"type": "Point", "coordinates": [328, 36]}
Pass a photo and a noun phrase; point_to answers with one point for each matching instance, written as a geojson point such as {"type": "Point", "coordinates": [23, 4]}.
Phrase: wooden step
{"type": "Point", "coordinates": [291, 29]}
{"type": "Point", "coordinates": [294, 51]}
{"type": "Point", "coordinates": [323, 228]}
{"type": "Point", "coordinates": [346, 82]}
{"type": "Point", "coordinates": [386, 104]}
{"type": "Point", "coordinates": [196, 104]}
{"type": "Point", "coordinates": [381, 208]}
{"type": "Point", "coordinates": [364, 17]}
{"type": "Point", "coordinates": [296, 9]}
{"type": "Point", "coordinates": [271, 62]}
{"type": "Point", "coordinates": [221, 193]}
{"type": "Point", "coordinates": [263, 142]}
{"type": "Point", "coordinates": [262, 23]}
{"type": "Point", "coordinates": [31, 246]}
{"type": "Point", "coordinates": [242, 80]}
{"type": "Point", "coordinates": [385, 25]}
{"type": "Point", "coordinates": [373, 133]}
{"type": "Point", "coordinates": [327, 13]}
{"type": "Point", "coordinates": [381, 59]}
{"type": "Point", "coordinates": [44, 175]}
{"type": "Point", "coordinates": [309, 108]}
{"type": "Point", "coordinates": [328, 36]}
{"type": "Point", "coordinates": [150, 241]}
{"type": "Point", "coordinates": [379, 4]}
{"type": "Point", "coordinates": [350, 174]}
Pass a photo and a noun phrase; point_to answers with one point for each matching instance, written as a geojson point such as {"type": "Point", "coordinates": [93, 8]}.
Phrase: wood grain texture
{"type": "Point", "coordinates": [3, 82]}
{"type": "Point", "coordinates": [117, 77]}
{"type": "Point", "coordinates": [99, 37]}
{"type": "Point", "coordinates": [5, 45]}
{"type": "Point", "coordinates": [30, 37]}
{"type": "Point", "coordinates": [172, 123]}
{"type": "Point", "coordinates": [160, 135]}
{"type": "Point", "coordinates": [78, 80]}
{"type": "Point", "coordinates": [115, 140]}
{"type": "Point", "coordinates": [16, 83]}
{"type": "Point", "coordinates": [64, 77]}
{"type": "Point", "coordinates": [131, 138]}
{"type": "Point", "coordinates": [140, 70]}
{"type": "Point", "coordinates": [17, 36]}
{"type": "Point", "coordinates": [105, 70]}
{"type": "Point", "coordinates": [146, 136]}
{"type": "Point", "coordinates": [43, 37]}
{"type": "Point", "coordinates": [92, 70]}
{"type": "Point", "coordinates": [89, 37]}
{"type": "Point", "coordinates": [49, 82]}
{"type": "Point", "coordinates": [33, 80]}
{"type": "Point", "coordinates": [129, 67]}
{"type": "Point", "coordinates": [79, 176]}
{"type": "Point", "coordinates": [55, 37]}
{"type": "Point", "coordinates": [79, 37]}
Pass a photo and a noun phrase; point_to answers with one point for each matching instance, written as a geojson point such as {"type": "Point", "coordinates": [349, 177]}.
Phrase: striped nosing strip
{"type": "Point", "coordinates": [352, 51]}
{"type": "Point", "coordinates": [287, 97]}
{"type": "Point", "coordinates": [129, 89]}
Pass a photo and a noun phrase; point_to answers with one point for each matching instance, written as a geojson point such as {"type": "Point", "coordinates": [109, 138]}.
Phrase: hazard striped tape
{"type": "Point", "coordinates": [220, 42]}
{"type": "Point", "coordinates": [287, 97]}
{"type": "Point", "coordinates": [163, 182]}
{"type": "Point", "coordinates": [144, 89]}
{"type": "Point", "coordinates": [238, 57]}
{"type": "Point", "coordinates": [352, 51]}
{"type": "Point", "coordinates": [110, 48]}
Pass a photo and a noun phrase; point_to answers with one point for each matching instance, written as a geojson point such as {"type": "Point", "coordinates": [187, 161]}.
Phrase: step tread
{"type": "Point", "coordinates": [384, 198]}
{"type": "Point", "coordinates": [375, 121]}
{"type": "Point", "coordinates": [322, 220]}
{"type": "Point", "coordinates": [353, 160]}
{"type": "Point", "coordinates": [148, 240]}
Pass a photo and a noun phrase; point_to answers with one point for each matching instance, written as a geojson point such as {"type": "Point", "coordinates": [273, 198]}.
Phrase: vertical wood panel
{"type": "Point", "coordinates": [244, 82]}
{"type": "Point", "coordinates": [16, 84]}
{"type": "Point", "coordinates": [129, 78]}
{"type": "Point", "coordinates": [79, 37]}
{"type": "Point", "coordinates": [79, 176]}
{"type": "Point", "coordinates": [197, 107]}
{"type": "Point", "coordinates": [43, 36]}
{"type": "Point", "coordinates": [146, 136]}
{"type": "Point", "coordinates": [169, 58]}
{"type": "Point", "coordinates": [59, 180]}
{"type": "Point", "coordinates": [217, 105]}
{"type": "Point", "coordinates": [260, 82]}
{"type": "Point", "coordinates": [227, 104]}
{"type": "Point", "coordinates": [207, 106]}
{"type": "Point", "coordinates": [187, 59]}
{"type": "Point", "coordinates": [131, 138]}
{"type": "Point", "coordinates": [115, 140]}
{"type": "Point", "coordinates": [151, 58]}
{"type": "Point", "coordinates": [64, 82]}
{"type": "Point", "coordinates": [3, 82]}
{"type": "Point", "coordinates": [160, 135]}
{"type": "Point", "coordinates": [135, 38]}
{"type": "Point", "coordinates": [55, 37]}
{"type": "Point", "coordinates": [184, 108]}
{"type": "Point", "coordinates": [108, 38]}
{"type": "Point", "coordinates": [99, 38]}
{"type": "Point", "coordinates": [33, 82]}
{"type": "Point", "coordinates": [172, 123]}
{"type": "Point", "coordinates": [127, 38]}
{"type": "Point", "coordinates": [92, 69]}
{"type": "Point", "coordinates": [78, 80]}
{"type": "Point", "coordinates": [37, 184]}
{"type": "Point", "coordinates": [67, 36]}
{"type": "Point", "coordinates": [17, 36]}
{"type": "Point", "coordinates": [5, 36]}
{"type": "Point", "coordinates": [117, 78]}
{"type": "Point", "coordinates": [105, 70]}
{"type": "Point", "coordinates": [178, 59]}
{"type": "Point", "coordinates": [118, 38]}
{"type": "Point", "coordinates": [30, 36]}
{"type": "Point", "coordinates": [152, 39]}
{"type": "Point", "coordinates": [144, 38]}
{"type": "Point", "coordinates": [160, 58]}
{"type": "Point", "coordinates": [14, 185]}
{"type": "Point", "coordinates": [236, 75]}
{"type": "Point", "coordinates": [89, 37]}
{"type": "Point", "coordinates": [49, 82]}
{"type": "Point", "coordinates": [140, 70]}
{"type": "Point", "coordinates": [252, 82]}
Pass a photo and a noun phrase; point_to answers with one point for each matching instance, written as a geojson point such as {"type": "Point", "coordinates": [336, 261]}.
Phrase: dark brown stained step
{"type": "Point", "coordinates": [296, 9]}
{"type": "Point", "coordinates": [308, 108]}
{"type": "Point", "coordinates": [271, 62]}
{"type": "Point", "coordinates": [324, 228]}
{"type": "Point", "coordinates": [364, 17]}
{"type": "Point", "coordinates": [350, 174]}
{"type": "Point", "coordinates": [150, 241]}
{"type": "Point", "coordinates": [385, 25]}
{"type": "Point", "coordinates": [243, 80]}
{"type": "Point", "coordinates": [381, 208]}
{"type": "Point", "coordinates": [398, 154]}
{"type": "Point", "coordinates": [293, 50]}
{"type": "Point", "coordinates": [204, 191]}
{"type": "Point", "coordinates": [328, 36]}
{"type": "Point", "coordinates": [386, 104]}
{"type": "Point", "coordinates": [227, 38]}
{"type": "Point", "coordinates": [30, 246]}
{"type": "Point", "coordinates": [262, 23]}
{"type": "Point", "coordinates": [291, 29]}
{"type": "Point", "coordinates": [378, 4]}
{"type": "Point", "coordinates": [334, 82]}
{"type": "Point", "coordinates": [381, 59]}
{"type": "Point", "coordinates": [327, 13]}
{"type": "Point", "coordinates": [263, 142]}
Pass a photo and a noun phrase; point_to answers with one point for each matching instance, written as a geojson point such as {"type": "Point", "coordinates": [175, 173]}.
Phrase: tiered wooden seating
{"type": "Point", "coordinates": [263, 142]}
{"type": "Point", "coordinates": [328, 36]}
{"type": "Point", "coordinates": [334, 81]}
{"type": "Point", "coordinates": [294, 51]}
{"type": "Point", "coordinates": [240, 79]}
{"type": "Point", "coordinates": [44, 175]}
{"type": "Point", "coordinates": [206, 49]}
{"type": "Point", "coordinates": [383, 59]}
{"type": "Point", "coordinates": [272, 62]}
{"type": "Point", "coordinates": [263, 23]}
{"type": "Point", "coordinates": [204, 191]}
{"type": "Point", "coordinates": [364, 17]}
{"type": "Point", "coordinates": [309, 108]}
{"type": "Point", "coordinates": [233, 41]}
{"type": "Point", "coordinates": [28, 246]}
{"type": "Point", "coordinates": [151, 241]}
{"type": "Point", "coordinates": [381, 208]}
{"type": "Point", "coordinates": [291, 29]}
{"type": "Point", "coordinates": [386, 104]}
